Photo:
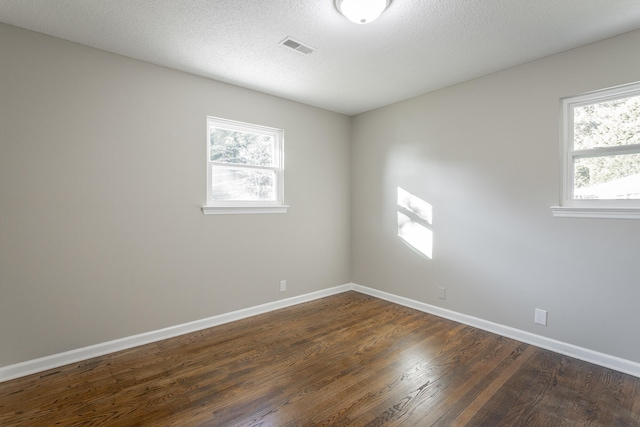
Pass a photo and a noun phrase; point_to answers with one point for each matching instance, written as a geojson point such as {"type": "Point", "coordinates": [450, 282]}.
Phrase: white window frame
{"type": "Point", "coordinates": [239, 206]}
{"type": "Point", "coordinates": [591, 208]}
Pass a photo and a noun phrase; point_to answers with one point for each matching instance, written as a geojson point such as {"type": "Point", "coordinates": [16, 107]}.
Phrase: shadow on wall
{"type": "Point", "coordinates": [415, 218]}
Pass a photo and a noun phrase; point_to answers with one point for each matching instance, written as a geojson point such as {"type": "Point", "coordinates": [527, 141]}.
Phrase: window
{"type": "Point", "coordinates": [244, 168]}
{"type": "Point", "coordinates": [601, 154]}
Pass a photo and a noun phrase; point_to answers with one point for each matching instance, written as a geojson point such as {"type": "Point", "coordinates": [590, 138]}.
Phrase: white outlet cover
{"type": "Point", "coordinates": [540, 317]}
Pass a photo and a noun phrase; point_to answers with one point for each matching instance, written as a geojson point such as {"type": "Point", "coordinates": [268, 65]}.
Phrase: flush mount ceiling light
{"type": "Point", "coordinates": [362, 11]}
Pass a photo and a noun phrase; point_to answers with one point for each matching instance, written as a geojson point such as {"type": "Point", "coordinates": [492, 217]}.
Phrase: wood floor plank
{"type": "Point", "coordinates": [484, 390]}
{"type": "Point", "coordinates": [345, 360]}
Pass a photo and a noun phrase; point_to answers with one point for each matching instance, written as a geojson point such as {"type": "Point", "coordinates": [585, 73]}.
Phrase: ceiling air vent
{"type": "Point", "coordinates": [297, 46]}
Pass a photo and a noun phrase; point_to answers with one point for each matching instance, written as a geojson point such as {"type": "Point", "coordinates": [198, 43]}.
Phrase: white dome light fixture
{"type": "Point", "coordinates": [362, 11]}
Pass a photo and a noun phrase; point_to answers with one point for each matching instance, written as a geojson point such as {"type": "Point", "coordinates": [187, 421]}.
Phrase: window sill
{"type": "Point", "coordinates": [217, 210]}
{"type": "Point", "coordinates": [590, 212]}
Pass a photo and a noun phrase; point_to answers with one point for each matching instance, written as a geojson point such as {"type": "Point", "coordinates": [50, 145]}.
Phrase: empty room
{"type": "Point", "coordinates": [319, 213]}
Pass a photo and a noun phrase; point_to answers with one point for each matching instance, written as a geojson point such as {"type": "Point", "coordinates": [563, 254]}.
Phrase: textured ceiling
{"type": "Point", "coordinates": [416, 46]}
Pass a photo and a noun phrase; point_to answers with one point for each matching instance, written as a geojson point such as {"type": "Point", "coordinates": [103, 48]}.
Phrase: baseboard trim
{"type": "Point", "coordinates": [592, 356]}
{"type": "Point", "coordinates": [74, 356]}
{"type": "Point", "coordinates": [34, 366]}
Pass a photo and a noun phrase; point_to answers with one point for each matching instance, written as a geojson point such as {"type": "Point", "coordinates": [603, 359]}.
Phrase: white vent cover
{"type": "Point", "coordinates": [297, 46]}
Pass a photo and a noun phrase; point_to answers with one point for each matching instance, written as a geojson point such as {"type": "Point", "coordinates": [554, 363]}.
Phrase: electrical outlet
{"type": "Point", "coordinates": [283, 285]}
{"type": "Point", "coordinates": [541, 317]}
{"type": "Point", "coordinates": [442, 293]}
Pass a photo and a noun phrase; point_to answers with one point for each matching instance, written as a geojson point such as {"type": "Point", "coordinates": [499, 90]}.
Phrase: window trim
{"type": "Point", "coordinates": [591, 208]}
{"type": "Point", "coordinates": [241, 206]}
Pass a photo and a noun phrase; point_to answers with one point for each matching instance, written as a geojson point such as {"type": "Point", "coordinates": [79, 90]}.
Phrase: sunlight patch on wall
{"type": "Point", "coordinates": [415, 217]}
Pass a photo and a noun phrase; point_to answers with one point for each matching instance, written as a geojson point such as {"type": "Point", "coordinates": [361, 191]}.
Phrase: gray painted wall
{"type": "Point", "coordinates": [102, 176]}
{"type": "Point", "coordinates": [485, 154]}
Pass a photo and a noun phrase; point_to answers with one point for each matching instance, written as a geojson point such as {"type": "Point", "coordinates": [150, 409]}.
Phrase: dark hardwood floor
{"type": "Point", "coordinates": [349, 359]}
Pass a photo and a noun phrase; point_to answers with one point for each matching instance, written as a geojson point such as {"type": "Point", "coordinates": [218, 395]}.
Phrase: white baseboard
{"type": "Point", "coordinates": [595, 357]}
{"type": "Point", "coordinates": [73, 356]}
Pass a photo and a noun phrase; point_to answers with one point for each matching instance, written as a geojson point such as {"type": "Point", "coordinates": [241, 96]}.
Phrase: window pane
{"type": "Point", "coordinates": [607, 124]}
{"type": "Point", "coordinates": [608, 177]}
{"type": "Point", "coordinates": [242, 184]}
{"type": "Point", "coordinates": [227, 146]}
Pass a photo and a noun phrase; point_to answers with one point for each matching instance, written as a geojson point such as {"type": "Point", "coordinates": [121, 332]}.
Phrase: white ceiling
{"type": "Point", "coordinates": [415, 47]}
